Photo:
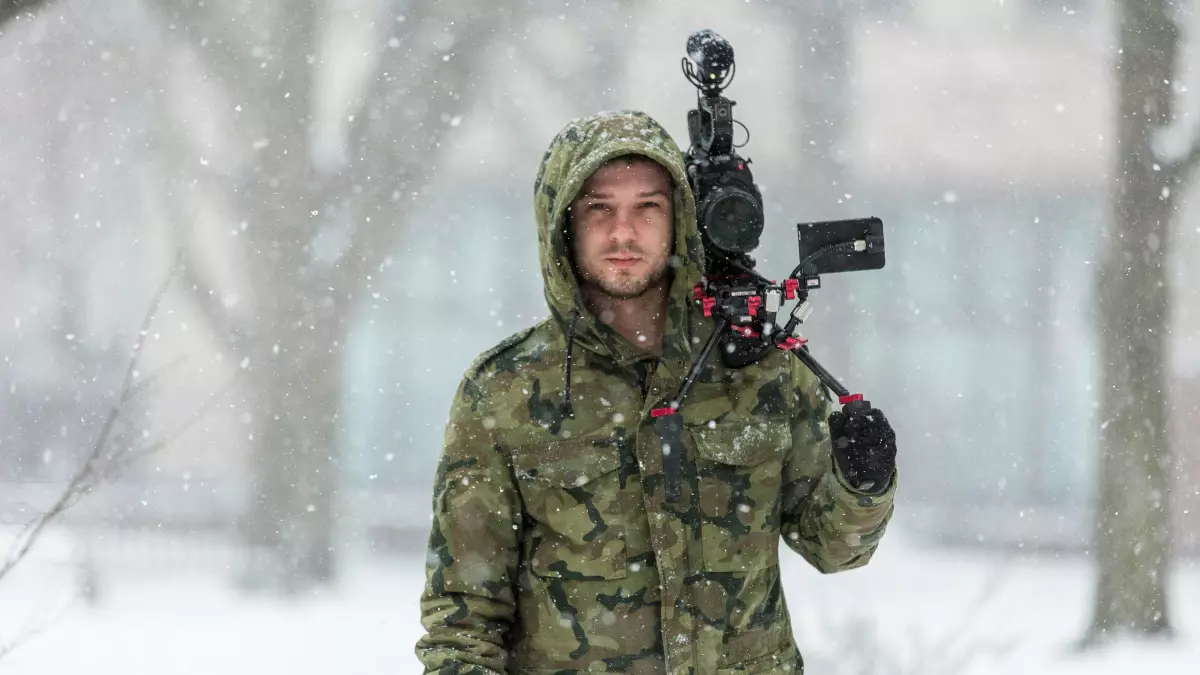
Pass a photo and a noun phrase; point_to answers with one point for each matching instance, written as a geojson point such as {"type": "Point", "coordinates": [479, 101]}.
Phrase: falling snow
{"type": "Point", "coordinates": [252, 254]}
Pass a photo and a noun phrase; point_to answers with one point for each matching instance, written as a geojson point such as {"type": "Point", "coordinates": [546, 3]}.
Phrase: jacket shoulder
{"type": "Point", "coordinates": [520, 348]}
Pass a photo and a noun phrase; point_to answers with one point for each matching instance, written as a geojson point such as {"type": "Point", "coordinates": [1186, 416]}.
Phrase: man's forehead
{"type": "Point", "coordinates": [622, 170]}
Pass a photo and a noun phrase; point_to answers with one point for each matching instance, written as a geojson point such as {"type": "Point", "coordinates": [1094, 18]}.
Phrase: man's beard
{"type": "Point", "coordinates": [628, 288]}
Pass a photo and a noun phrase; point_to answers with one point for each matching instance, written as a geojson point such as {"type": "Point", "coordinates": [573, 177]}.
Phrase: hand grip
{"type": "Point", "coordinates": [670, 430]}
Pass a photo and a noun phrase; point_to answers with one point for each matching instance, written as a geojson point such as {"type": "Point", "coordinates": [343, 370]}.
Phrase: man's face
{"type": "Point", "coordinates": [622, 228]}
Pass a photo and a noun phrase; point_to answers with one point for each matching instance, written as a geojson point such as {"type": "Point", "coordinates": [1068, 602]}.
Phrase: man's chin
{"type": "Point", "coordinates": [624, 287]}
{"type": "Point", "coordinates": [626, 290]}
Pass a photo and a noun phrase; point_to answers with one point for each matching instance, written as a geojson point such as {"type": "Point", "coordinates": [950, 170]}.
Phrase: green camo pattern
{"type": "Point", "coordinates": [552, 547]}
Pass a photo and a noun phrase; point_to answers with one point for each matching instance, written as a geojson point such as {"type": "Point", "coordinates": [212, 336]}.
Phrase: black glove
{"type": "Point", "coordinates": [864, 447]}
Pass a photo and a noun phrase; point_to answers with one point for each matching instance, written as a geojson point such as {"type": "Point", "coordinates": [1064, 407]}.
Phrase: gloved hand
{"type": "Point", "coordinates": [864, 447]}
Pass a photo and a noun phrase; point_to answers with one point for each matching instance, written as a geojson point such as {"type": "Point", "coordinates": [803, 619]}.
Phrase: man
{"type": "Point", "coordinates": [553, 547]}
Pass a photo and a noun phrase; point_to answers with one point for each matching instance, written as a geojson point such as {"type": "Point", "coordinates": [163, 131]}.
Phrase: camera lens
{"type": "Point", "coordinates": [732, 220]}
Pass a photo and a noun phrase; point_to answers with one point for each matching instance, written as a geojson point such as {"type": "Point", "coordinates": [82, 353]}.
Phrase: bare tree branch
{"type": "Point", "coordinates": [206, 299]}
{"type": "Point", "coordinates": [132, 456]}
{"type": "Point", "coordinates": [147, 383]}
{"type": "Point", "coordinates": [83, 480]}
{"type": "Point", "coordinates": [31, 631]}
{"type": "Point", "coordinates": [12, 9]}
{"type": "Point", "coordinates": [97, 467]}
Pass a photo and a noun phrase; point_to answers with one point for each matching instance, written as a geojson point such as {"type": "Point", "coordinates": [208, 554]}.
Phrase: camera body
{"type": "Point", "coordinates": [729, 207]}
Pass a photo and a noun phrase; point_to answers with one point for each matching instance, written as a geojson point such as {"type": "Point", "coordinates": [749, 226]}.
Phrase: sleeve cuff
{"type": "Point", "coordinates": [866, 497]}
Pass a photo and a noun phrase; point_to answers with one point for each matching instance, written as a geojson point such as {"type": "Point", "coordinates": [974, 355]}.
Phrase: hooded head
{"type": "Point", "coordinates": [576, 153]}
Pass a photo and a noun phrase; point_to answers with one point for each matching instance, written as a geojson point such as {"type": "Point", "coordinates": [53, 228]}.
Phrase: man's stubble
{"type": "Point", "coordinates": [624, 287]}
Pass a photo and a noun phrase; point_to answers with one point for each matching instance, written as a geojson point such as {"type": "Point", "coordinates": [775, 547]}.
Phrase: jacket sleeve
{"type": "Point", "coordinates": [468, 605]}
{"type": "Point", "coordinates": [833, 526]}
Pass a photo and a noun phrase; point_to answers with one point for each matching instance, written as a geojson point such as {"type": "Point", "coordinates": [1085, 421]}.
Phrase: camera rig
{"type": "Point", "coordinates": [744, 305]}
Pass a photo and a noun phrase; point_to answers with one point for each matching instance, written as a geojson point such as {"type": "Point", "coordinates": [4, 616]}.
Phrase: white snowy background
{"type": "Point", "coordinates": [981, 132]}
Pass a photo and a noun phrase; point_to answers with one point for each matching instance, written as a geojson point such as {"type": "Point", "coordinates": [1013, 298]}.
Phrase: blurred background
{"type": "Point", "coordinates": [336, 198]}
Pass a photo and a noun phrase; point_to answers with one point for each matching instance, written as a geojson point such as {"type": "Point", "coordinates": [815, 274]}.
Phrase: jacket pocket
{"type": "Point", "coordinates": [740, 466]}
{"type": "Point", "coordinates": [574, 505]}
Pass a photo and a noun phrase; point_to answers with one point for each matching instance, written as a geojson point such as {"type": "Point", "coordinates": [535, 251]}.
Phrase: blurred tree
{"type": "Point", "coordinates": [1133, 532]}
{"type": "Point", "coordinates": [320, 217]}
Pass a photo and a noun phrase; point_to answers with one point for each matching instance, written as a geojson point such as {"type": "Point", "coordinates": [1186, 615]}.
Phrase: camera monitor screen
{"type": "Point", "coordinates": [853, 245]}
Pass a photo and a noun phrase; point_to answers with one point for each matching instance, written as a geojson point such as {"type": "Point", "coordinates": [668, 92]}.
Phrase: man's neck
{"type": "Point", "coordinates": [639, 320]}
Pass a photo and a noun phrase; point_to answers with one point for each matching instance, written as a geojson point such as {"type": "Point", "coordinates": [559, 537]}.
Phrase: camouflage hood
{"type": "Point", "coordinates": [581, 148]}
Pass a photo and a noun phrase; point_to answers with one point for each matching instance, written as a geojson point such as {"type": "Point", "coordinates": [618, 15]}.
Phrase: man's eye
{"type": "Point", "coordinates": [652, 205]}
{"type": "Point", "coordinates": [597, 207]}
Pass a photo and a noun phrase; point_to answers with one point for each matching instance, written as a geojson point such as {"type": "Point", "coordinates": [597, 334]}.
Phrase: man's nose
{"type": "Point", "coordinates": [624, 225]}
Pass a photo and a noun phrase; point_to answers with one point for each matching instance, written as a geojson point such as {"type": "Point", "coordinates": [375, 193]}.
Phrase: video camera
{"type": "Point", "coordinates": [729, 210]}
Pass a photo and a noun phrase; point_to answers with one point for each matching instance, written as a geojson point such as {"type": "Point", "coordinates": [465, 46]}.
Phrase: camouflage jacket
{"type": "Point", "coordinates": [553, 548]}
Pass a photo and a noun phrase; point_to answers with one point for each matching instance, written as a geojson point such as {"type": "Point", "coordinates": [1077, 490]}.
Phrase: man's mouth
{"type": "Point", "coordinates": [623, 261]}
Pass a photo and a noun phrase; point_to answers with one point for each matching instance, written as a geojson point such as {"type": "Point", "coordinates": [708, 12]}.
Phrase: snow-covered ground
{"type": "Point", "coordinates": [913, 610]}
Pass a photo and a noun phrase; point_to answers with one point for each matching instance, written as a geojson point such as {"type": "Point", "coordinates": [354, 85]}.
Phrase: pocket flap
{"type": "Point", "coordinates": [786, 662]}
{"type": "Point", "coordinates": [567, 463]}
{"type": "Point", "coordinates": [742, 443]}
